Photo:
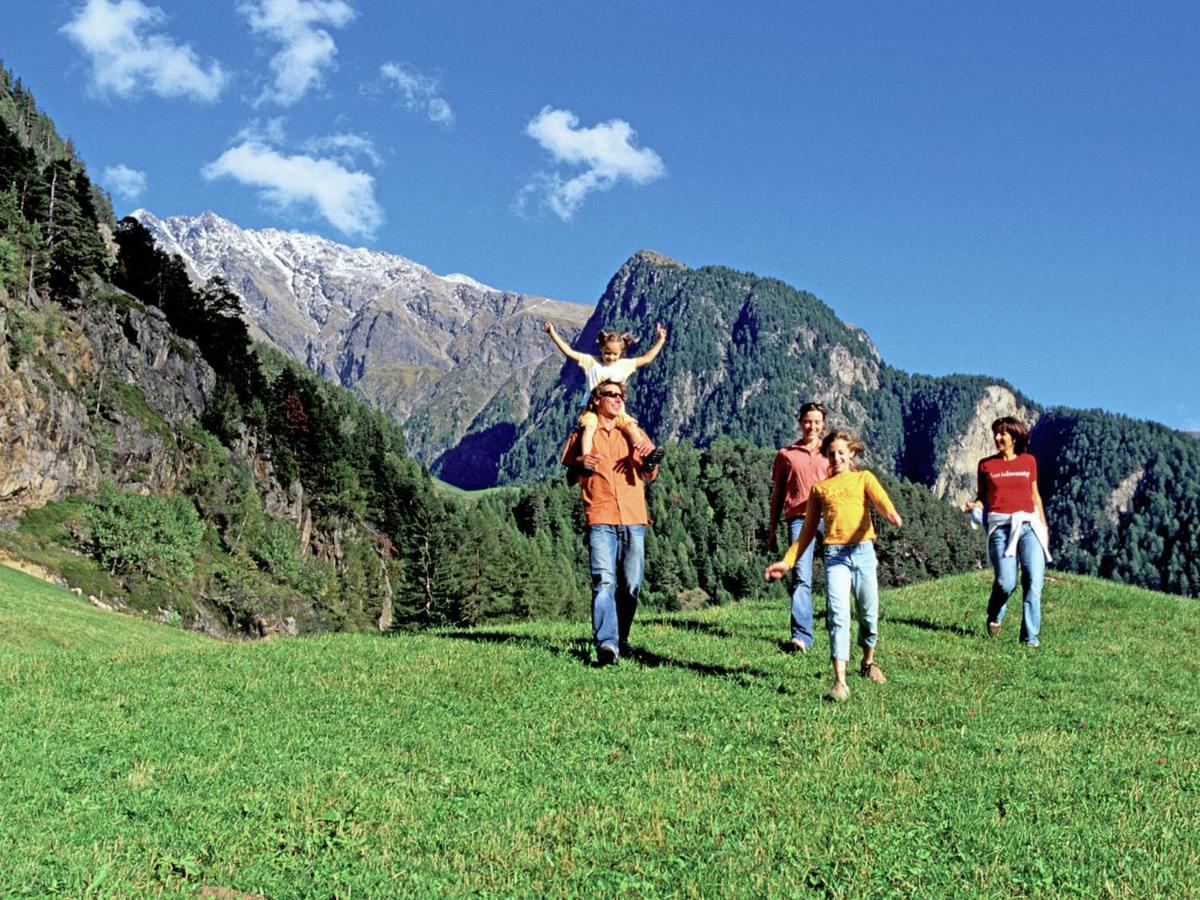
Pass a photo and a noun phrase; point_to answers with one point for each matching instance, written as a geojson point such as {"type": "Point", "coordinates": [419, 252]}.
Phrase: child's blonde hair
{"type": "Point", "coordinates": [853, 444]}
{"type": "Point", "coordinates": [626, 339]}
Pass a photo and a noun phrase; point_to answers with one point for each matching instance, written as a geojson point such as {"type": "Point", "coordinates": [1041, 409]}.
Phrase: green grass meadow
{"type": "Point", "coordinates": [140, 760]}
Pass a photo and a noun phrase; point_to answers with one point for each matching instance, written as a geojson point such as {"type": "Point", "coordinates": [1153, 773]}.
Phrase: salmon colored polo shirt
{"type": "Point", "coordinates": [795, 471]}
{"type": "Point", "coordinates": [614, 493]}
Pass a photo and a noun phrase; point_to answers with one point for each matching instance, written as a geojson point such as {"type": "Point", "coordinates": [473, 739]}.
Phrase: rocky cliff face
{"type": "Point", "coordinates": [92, 392]}
{"type": "Point", "coordinates": [432, 351]}
{"type": "Point", "coordinates": [104, 389]}
{"type": "Point", "coordinates": [956, 480]}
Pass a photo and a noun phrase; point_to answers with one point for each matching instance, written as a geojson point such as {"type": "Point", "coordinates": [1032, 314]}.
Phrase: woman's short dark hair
{"type": "Point", "coordinates": [809, 407]}
{"type": "Point", "coordinates": [1014, 428]}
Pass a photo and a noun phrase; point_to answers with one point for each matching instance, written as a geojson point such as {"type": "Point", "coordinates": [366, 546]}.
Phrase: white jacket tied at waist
{"type": "Point", "coordinates": [1015, 521]}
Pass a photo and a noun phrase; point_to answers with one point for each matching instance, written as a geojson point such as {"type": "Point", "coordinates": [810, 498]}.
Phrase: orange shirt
{"type": "Point", "coordinates": [614, 493]}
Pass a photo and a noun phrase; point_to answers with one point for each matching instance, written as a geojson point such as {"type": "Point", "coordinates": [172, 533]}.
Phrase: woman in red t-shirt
{"type": "Point", "coordinates": [1016, 527]}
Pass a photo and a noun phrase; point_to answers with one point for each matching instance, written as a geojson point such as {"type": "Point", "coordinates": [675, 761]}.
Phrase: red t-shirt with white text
{"type": "Point", "coordinates": [1006, 485]}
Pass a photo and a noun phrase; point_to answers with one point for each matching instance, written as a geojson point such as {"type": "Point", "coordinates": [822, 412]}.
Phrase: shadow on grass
{"type": "Point", "coordinates": [767, 633]}
{"type": "Point", "coordinates": [926, 625]}
{"type": "Point", "coordinates": [581, 650]}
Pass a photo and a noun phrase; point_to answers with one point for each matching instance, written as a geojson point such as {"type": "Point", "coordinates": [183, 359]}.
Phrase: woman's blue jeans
{"type": "Point", "coordinates": [850, 570]}
{"type": "Point", "coordinates": [1033, 573]}
{"type": "Point", "coordinates": [802, 605]}
{"type": "Point", "coordinates": [618, 560]}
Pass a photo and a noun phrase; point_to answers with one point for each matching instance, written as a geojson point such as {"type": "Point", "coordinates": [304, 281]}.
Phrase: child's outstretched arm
{"type": "Point", "coordinates": [648, 357]}
{"type": "Point", "coordinates": [879, 497]}
{"type": "Point", "coordinates": [562, 345]}
{"type": "Point", "coordinates": [807, 534]}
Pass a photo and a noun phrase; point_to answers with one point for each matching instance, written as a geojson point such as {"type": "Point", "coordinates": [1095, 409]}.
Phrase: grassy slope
{"type": "Point", "coordinates": [136, 759]}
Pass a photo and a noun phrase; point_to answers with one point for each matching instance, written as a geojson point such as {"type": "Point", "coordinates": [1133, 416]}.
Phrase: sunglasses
{"type": "Point", "coordinates": [610, 394]}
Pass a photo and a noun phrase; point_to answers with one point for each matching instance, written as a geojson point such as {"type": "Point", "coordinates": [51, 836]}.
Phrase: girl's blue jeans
{"type": "Point", "coordinates": [850, 571]}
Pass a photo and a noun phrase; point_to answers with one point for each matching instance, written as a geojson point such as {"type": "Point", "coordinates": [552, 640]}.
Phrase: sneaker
{"type": "Point", "coordinates": [608, 655]}
{"type": "Point", "coordinates": [652, 459]}
{"type": "Point", "coordinates": [993, 628]}
{"type": "Point", "coordinates": [1032, 645]}
{"type": "Point", "coordinates": [627, 650]}
{"type": "Point", "coordinates": [838, 693]}
{"type": "Point", "coordinates": [795, 645]}
{"type": "Point", "coordinates": [871, 670]}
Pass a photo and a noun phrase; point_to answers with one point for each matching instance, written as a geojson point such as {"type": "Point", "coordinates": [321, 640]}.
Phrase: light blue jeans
{"type": "Point", "coordinates": [802, 605]}
{"type": "Point", "coordinates": [618, 561]}
{"type": "Point", "coordinates": [850, 570]}
{"type": "Point", "coordinates": [1033, 573]}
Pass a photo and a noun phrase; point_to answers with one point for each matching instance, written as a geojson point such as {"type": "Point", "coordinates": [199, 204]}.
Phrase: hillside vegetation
{"type": "Point", "coordinates": [139, 760]}
{"type": "Point", "coordinates": [156, 454]}
{"type": "Point", "coordinates": [744, 351]}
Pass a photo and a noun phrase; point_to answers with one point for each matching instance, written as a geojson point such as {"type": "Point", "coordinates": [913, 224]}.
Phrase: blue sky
{"type": "Point", "coordinates": [1002, 188]}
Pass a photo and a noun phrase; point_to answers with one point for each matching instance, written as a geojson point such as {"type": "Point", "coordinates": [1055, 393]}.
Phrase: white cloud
{"type": "Point", "coordinates": [125, 182]}
{"type": "Point", "coordinates": [262, 132]}
{"type": "Point", "coordinates": [126, 58]}
{"type": "Point", "coordinates": [345, 147]}
{"type": "Point", "coordinates": [343, 197]}
{"type": "Point", "coordinates": [606, 152]}
{"type": "Point", "coordinates": [419, 92]}
{"type": "Point", "coordinates": [308, 50]}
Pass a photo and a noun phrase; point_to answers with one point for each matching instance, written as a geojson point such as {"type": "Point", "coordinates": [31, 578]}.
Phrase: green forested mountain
{"type": "Point", "coordinates": [744, 352]}
{"type": "Point", "coordinates": [1123, 497]}
{"type": "Point", "coordinates": [211, 481]}
{"type": "Point", "coordinates": [49, 210]}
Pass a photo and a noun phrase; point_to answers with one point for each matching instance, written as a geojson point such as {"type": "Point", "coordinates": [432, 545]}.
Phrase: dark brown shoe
{"type": "Point", "coordinates": [872, 671]}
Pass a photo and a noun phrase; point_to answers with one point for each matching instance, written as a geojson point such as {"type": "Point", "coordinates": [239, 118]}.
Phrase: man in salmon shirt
{"type": "Point", "coordinates": [612, 481]}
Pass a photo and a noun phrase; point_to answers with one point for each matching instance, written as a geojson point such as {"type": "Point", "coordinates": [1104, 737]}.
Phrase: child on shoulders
{"type": "Point", "coordinates": [614, 366]}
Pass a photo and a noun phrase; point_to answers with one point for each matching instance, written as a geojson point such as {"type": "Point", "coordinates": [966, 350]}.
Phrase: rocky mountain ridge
{"type": "Point", "coordinates": [484, 398]}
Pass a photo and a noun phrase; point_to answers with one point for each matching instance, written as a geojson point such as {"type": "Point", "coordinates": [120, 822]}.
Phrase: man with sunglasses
{"type": "Point", "coordinates": [612, 481]}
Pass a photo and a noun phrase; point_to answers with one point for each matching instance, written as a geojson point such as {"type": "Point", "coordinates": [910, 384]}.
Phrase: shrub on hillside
{"type": "Point", "coordinates": [134, 534]}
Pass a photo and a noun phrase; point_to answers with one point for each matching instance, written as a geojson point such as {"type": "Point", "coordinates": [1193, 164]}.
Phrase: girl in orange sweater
{"type": "Point", "coordinates": [843, 503]}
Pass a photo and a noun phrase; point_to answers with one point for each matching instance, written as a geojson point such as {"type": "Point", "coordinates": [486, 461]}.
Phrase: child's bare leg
{"type": "Point", "coordinates": [588, 437]}
{"type": "Point", "coordinates": [636, 436]}
{"type": "Point", "coordinates": [839, 671]}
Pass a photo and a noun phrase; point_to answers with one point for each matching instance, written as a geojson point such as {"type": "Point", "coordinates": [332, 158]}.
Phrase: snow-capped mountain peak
{"type": "Point", "coordinates": [409, 339]}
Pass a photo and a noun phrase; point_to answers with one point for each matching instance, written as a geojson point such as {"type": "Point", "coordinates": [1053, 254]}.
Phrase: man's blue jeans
{"type": "Point", "coordinates": [1033, 573]}
{"type": "Point", "coordinates": [618, 560]}
{"type": "Point", "coordinates": [802, 605]}
{"type": "Point", "coordinates": [850, 572]}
